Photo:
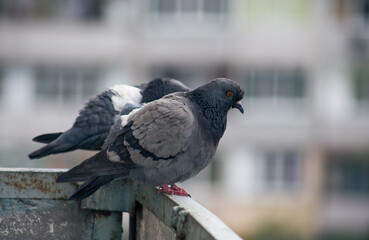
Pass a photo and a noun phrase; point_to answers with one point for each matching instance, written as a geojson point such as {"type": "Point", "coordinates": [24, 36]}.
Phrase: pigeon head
{"type": "Point", "coordinates": [219, 95]}
{"type": "Point", "coordinates": [159, 87]}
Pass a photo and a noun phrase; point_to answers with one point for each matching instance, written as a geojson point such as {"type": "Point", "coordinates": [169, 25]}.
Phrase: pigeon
{"type": "Point", "coordinates": [164, 142]}
{"type": "Point", "coordinates": [92, 126]}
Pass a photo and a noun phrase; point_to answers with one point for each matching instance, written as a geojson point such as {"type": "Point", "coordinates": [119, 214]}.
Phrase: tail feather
{"type": "Point", "coordinates": [72, 139]}
{"type": "Point", "coordinates": [91, 186]}
{"type": "Point", "coordinates": [97, 165]}
{"type": "Point", "coordinates": [47, 138]}
{"type": "Point", "coordinates": [49, 149]}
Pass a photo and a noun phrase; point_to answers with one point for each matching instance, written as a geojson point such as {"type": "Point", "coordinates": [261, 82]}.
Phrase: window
{"type": "Point", "coordinates": [215, 170]}
{"type": "Point", "coordinates": [189, 10]}
{"type": "Point", "coordinates": [172, 6]}
{"type": "Point", "coordinates": [275, 10]}
{"type": "Point", "coordinates": [1, 82]}
{"type": "Point", "coordinates": [66, 85]}
{"type": "Point", "coordinates": [280, 170]}
{"type": "Point", "coordinates": [46, 10]}
{"type": "Point", "coordinates": [362, 9]}
{"type": "Point", "coordinates": [353, 12]}
{"type": "Point", "coordinates": [188, 76]}
{"type": "Point", "coordinates": [215, 6]}
{"type": "Point", "coordinates": [361, 84]}
{"type": "Point", "coordinates": [166, 6]}
{"type": "Point", "coordinates": [273, 89]}
{"type": "Point", "coordinates": [192, 76]}
{"type": "Point", "coordinates": [365, 9]}
{"type": "Point", "coordinates": [271, 83]}
{"type": "Point", "coordinates": [188, 6]}
{"type": "Point", "coordinates": [347, 173]}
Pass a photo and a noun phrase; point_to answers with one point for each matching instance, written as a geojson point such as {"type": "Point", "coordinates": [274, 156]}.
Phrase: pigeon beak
{"type": "Point", "coordinates": [238, 106]}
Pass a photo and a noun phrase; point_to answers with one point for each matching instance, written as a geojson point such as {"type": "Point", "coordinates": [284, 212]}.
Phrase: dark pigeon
{"type": "Point", "coordinates": [91, 127]}
{"type": "Point", "coordinates": [164, 142]}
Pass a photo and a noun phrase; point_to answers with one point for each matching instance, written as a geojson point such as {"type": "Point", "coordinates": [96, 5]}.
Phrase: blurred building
{"type": "Point", "coordinates": [300, 155]}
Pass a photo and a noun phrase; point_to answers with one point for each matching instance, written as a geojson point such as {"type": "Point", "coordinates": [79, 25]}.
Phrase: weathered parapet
{"type": "Point", "coordinates": [33, 206]}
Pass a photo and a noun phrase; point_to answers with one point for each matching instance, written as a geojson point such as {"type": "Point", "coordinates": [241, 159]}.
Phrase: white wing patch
{"type": "Point", "coordinates": [125, 94]}
{"type": "Point", "coordinates": [124, 118]}
{"type": "Point", "coordinates": [113, 156]}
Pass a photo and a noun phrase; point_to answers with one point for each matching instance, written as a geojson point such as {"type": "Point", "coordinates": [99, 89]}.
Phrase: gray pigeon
{"type": "Point", "coordinates": [166, 141]}
{"type": "Point", "coordinates": [91, 127]}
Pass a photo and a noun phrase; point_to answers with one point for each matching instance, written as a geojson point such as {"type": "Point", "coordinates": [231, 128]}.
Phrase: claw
{"type": "Point", "coordinates": [173, 190]}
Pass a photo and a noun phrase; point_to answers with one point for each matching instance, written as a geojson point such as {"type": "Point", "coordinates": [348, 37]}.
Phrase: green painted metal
{"type": "Point", "coordinates": [33, 206]}
{"type": "Point", "coordinates": [44, 219]}
{"type": "Point", "coordinates": [36, 183]}
{"type": "Point", "coordinates": [188, 218]}
{"type": "Point", "coordinates": [107, 225]}
{"type": "Point", "coordinates": [115, 196]}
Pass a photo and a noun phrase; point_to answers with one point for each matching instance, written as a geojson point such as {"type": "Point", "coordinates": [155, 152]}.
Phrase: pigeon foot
{"type": "Point", "coordinates": [173, 190]}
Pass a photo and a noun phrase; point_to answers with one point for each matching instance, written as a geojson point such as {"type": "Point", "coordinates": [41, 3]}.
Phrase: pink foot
{"type": "Point", "coordinates": [173, 189]}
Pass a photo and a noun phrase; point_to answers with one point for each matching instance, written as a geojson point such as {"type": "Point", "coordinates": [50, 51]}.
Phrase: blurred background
{"type": "Point", "coordinates": [295, 166]}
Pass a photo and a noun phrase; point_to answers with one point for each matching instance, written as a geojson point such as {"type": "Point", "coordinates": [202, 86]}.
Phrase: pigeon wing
{"type": "Point", "coordinates": [98, 114]}
{"type": "Point", "coordinates": [156, 134]}
{"type": "Point", "coordinates": [89, 130]}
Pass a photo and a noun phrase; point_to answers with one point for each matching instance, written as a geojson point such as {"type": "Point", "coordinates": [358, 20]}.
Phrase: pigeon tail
{"type": "Point", "coordinates": [71, 140]}
{"type": "Point", "coordinates": [97, 165]}
{"type": "Point", "coordinates": [47, 138]}
{"type": "Point", "coordinates": [51, 148]}
{"type": "Point", "coordinates": [91, 186]}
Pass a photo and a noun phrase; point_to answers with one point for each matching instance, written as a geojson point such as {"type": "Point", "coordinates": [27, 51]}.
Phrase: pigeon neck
{"type": "Point", "coordinates": [213, 113]}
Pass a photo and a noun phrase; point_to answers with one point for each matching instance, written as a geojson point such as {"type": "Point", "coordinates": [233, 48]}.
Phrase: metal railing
{"type": "Point", "coordinates": [34, 206]}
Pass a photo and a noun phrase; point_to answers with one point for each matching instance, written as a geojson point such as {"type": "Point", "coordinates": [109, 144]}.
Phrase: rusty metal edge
{"type": "Point", "coordinates": [33, 183]}
{"type": "Point", "coordinates": [34, 170]}
{"type": "Point", "coordinates": [188, 218]}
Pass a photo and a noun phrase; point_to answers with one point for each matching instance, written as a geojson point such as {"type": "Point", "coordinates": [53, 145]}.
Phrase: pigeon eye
{"type": "Point", "coordinates": [229, 94]}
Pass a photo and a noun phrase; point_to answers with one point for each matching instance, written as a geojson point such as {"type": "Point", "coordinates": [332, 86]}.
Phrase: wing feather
{"type": "Point", "coordinates": [158, 132]}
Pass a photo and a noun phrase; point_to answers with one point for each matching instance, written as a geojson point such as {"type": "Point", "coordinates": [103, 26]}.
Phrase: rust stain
{"type": "Point", "coordinates": [44, 187]}
{"type": "Point", "coordinates": [183, 233]}
{"type": "Point", "coordinates": [16, 185]}
{"type": "Point", "coordinates": [102, 214]}
{"type": "Point", "coordinates": [33, 181]}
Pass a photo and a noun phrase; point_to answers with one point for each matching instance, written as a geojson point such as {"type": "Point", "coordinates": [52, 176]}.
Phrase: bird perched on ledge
{"type": "Point", "coordinates": [91, 127]}
{"type": "Point", "coordinates": [164, 142]}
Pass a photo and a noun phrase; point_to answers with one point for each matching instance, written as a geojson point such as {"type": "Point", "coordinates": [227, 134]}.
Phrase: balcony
{"type": "Point", "coordinates": [34, 206]}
